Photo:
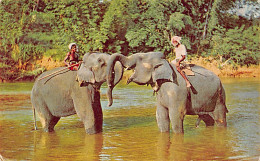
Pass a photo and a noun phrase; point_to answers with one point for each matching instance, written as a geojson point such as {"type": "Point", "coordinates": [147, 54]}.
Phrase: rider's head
{"type": "Point", "coordinates": [176, 40]}
{"type": "Point", "coordinates": [73, 47]}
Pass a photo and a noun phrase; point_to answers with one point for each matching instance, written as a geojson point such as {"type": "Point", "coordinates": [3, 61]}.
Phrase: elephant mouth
{"type": "Point", "coordinates": [83, 83]}
{"type": "Point", "coordinates": [141, 83]}
{"type": "Point", "coordinates": [132, 80]}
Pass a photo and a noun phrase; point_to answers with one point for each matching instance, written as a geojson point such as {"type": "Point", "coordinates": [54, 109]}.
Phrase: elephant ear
{"type": "Point", "coordinates": [162, 72]}
{"type": "Point", "coordinates": [85, 76]}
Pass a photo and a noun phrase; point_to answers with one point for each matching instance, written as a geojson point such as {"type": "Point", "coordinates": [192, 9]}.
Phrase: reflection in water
{"type": "Point", "coordinates": [130, 131]}
{"type": "Point", "coordinates": [51, 146]}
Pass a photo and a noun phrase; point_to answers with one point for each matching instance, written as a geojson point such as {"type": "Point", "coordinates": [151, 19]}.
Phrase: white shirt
{"type": "Point", "coordinates": [179, 51]}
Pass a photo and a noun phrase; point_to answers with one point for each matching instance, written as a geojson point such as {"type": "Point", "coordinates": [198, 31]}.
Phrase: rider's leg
{"type": "Point", "coordinates": [184, 76]}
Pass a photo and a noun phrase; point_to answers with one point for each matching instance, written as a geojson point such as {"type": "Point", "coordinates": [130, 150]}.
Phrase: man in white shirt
{"type": "Point", "coordinates": [181, 53]}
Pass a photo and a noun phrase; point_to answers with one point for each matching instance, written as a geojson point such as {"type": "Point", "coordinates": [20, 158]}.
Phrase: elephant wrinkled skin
{"type": "Point", "coordinates": [206, 98]}
{"type": "Point", "coordinates": [74, 92]}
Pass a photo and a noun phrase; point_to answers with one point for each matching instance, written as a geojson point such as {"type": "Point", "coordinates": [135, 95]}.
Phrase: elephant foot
{"type": "Point", "coordinates": [48, 130]}
{"type": "Point", "coordinates": [164, 130]}
{"type": "Point", "coordinates": [177, 130]}
{"type": "Point", "coordinates": [92, 130]}
{"type": "Point", "coordinates": [188, 85]}
{"type": "Point", "coordinates": [221, 123]}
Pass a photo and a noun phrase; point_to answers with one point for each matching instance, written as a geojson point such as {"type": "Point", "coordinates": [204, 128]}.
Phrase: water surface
{"type": "Point", "coordinates": [130, 131]}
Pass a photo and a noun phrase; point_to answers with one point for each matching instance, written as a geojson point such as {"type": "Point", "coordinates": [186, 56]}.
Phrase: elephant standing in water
{"type": "Point", "coordinates": [74, 92]}
{"type": "Point", "coordinates": [174, 100]}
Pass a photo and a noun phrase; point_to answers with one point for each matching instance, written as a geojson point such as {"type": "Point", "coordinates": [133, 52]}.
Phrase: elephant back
{"type": "Point", "coordinates": [197, 70]}
{"type": "Point", "coordinates": [55, 91]}
{"type": "Point", "coordinates": [60, 74]}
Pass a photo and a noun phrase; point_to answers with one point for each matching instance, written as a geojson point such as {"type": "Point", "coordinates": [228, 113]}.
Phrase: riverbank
{"type": "Point", "coordinates": [221, 69]}
{"type": "Point", "coordinates": [227, 70]}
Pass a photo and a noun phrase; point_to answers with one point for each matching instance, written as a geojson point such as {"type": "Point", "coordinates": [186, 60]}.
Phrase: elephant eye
{"type": "Point", "coordinates": [157, 66]}
{"type": "Point", "coordinates": [100, 60]}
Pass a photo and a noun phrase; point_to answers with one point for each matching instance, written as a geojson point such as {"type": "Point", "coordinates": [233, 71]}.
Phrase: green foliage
{"type": "Point", "coordinates": [239, 44]}
{"type": "Point", "coordinates": [178, 22]}
{"type": "Point", "coordinates": [56, 54]}
{"type": "Point", "coordinates": [111, 37]}
{"type": "Point", "coordinates": [31, 29]}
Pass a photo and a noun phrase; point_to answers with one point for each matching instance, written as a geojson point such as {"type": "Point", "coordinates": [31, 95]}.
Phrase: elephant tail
{"type": "Point", "coordinates": [34, 118]}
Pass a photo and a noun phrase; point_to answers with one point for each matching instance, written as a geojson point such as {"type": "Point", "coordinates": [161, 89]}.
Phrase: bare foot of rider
{"type": "Point", "coordinates": [188, 84]}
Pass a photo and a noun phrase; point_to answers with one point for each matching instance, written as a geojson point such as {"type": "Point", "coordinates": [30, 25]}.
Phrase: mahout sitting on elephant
{"type": "Point", "coordinates": [69, 92]}
{"type": "Point", "coordinates": [206, 98]}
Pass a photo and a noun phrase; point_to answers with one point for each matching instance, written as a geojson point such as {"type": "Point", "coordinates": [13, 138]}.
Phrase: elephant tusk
{"type": "Point", "coordinates": [129, 81]}
{"type": "Point", "coordinates": [80, 83]}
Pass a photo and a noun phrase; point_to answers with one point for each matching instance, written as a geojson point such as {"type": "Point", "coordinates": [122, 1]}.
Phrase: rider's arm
{"type": "Point", "coordinates": [67, 58]}
{"type": "Point", "coordinates": [182, 58]}
{"type": "Point", "coordinates": [183, 54]}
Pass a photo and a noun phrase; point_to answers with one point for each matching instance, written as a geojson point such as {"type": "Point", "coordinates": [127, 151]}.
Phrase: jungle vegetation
{"type": "Point", "coordinates": [33, 29]}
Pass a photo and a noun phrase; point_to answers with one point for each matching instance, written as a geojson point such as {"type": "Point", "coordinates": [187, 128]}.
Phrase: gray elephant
{"type": "Point", "coordinates": [206, 98]}
{"type": "Point", "coordinates": [73, 92]}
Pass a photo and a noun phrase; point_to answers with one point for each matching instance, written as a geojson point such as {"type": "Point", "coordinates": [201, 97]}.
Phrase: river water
{"type": "Point", "coordinates": [130, 131]}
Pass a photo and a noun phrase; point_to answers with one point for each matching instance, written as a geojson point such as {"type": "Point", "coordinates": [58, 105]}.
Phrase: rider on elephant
{"type": "Point", "coordinates": [73, 57]}
{"type": "Point", "coordinates": [181, 53]}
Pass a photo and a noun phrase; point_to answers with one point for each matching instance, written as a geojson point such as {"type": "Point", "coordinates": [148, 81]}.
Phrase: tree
{"type": "Point", "coordinates": [240, 45]}
{"type": "Point", "coordinates": [77, 21]}
{"type": "Point", "coordinates": [18, 41]}
{"type": "Point", "coordinates": [111, 37]}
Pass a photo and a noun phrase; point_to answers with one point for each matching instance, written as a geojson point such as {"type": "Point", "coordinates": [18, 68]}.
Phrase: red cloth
{"type": "Point", "coordinates": [74, 67]}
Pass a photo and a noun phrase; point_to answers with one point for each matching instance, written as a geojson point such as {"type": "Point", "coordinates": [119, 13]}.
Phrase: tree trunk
{"type": "Point", "coordinates": [206, 23]}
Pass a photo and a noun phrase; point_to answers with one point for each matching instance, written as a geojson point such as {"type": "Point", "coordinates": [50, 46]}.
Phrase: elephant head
{"type": "Point", "coordinates": [93, 71]}
{"type": "Point", "coordinates": [149, 68]}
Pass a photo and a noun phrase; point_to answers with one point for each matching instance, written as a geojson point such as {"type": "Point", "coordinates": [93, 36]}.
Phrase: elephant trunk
{"type": "Point", "coordinates": [111, 73]}
{"type": "Point", "coordinates": [109, 96]}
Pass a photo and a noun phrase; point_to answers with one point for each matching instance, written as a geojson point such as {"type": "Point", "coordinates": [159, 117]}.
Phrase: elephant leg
{"type": "Point", "coordinates": [207, 118]}
{"type": "Point", "coordinates": [177, 116]}
{"type": "Point", "coordinates": [220, 114]}
{"type": "Point", "coordinates": [98, 114]}
{"type": "Point", "coordinates": [93, 122]}
{"type": "Point", "coordinates": [220, 109]}
{"type": "Point", "coordinates": [48, 121]}
{"type": "Point", "coordinates": [89, 120]}
{"type": "Point", "coordinates": [89, 110]}
{"type": "Point", "coordinates": [53, 121]}
{"type": "Point", "coordinates": [162, 117]}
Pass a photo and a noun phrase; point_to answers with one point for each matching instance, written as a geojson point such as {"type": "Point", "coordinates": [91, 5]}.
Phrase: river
{"type": "Point", "coordinates": [129, 130]}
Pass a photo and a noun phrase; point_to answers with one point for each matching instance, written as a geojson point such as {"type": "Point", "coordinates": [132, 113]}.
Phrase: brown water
{"type": "Point", "coordinates": [130, 131]}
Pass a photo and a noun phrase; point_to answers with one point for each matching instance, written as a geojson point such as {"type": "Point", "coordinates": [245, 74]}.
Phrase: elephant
{"type": "Point", "coordinates": [206, 98]}
{"type": "Point", "coordinates": [61, 92]}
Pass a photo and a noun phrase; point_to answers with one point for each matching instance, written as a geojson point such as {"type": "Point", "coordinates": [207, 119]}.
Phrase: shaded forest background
{"type": "Point", "coordinates": [34, 31]}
